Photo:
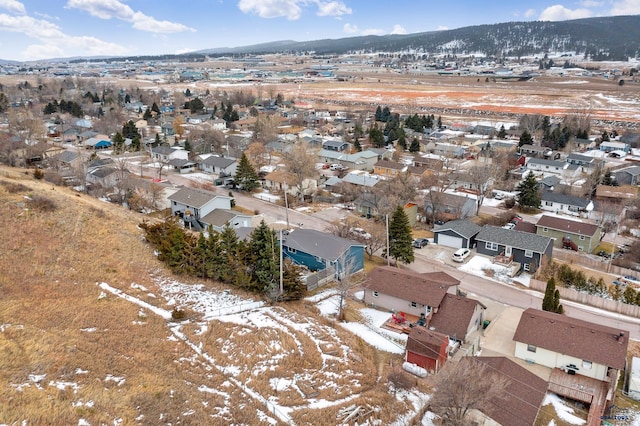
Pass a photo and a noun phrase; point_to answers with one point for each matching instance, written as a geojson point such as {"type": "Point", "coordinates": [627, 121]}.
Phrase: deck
{"type": "Point", "coordinates": [583, 389]}
{"type": "Point", "coordinates": [405, 327]}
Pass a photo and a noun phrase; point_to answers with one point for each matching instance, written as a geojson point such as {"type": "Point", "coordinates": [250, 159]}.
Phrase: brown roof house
{"type": "Point", "coordinates": [427, 348]}
{"type": "Point", "coordinates": [586, 358]}
{"type": "Point", "coordinates": [432, 295]}
{"type": "Point", "coordinates": [584, 236]}
{"type": "Point", "coordinates": [520, 402]}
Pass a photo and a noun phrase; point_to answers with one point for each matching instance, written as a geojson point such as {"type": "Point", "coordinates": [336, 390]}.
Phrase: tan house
{"type": "Point", "coordinates": [388, 168]}
{"type": "Point", "coordinates": [280, 181]}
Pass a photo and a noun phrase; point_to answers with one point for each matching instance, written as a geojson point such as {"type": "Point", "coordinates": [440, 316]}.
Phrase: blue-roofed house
{"type": "Point", "coordinates": [97, 143]}
{"type": "Point", "coordinates": [319, 250]}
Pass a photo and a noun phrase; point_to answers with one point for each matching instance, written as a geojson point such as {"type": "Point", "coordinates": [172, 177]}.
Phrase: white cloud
{"type": "Point", "coordinates": [107, 9]}
{"type": "Point", "coordinates": [560, 13]}
{"type": "Point", "coordinates": [332, 8]}
{"type": "Point", "coordinates": [398, 29]}
{"type": "Point", "coordinates": [272, 8]}
{"type": "Point", "coordinates": [13, 6]}
{"type": "Point", "coordinates": [442, 28]}
{"type": "Point", "coordinates": [530, 13]}
{"type": "Point", "coordinates": [51, 35]}
{"type": "Point", "coordinates": [292, 9]}
{"type": "Point", "coordinates": [350, 29]}
{"type": "Point", "coordinates": [626, 7]}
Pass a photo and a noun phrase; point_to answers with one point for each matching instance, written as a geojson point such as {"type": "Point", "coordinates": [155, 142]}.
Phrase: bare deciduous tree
{"type": "Point", "coordinates": [301, 163]}
{"type": "Point", "coordinates": [463, 387]}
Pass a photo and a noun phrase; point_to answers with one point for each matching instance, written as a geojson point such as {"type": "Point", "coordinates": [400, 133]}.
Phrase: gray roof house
{"type": "Point", "coordinates": [222, 166]}
{"type": "Point", "coordinates": [628, 175]}
{"type": "Point", "coordinates": [449, 206]}
{"type": "Point", "coordinates": [564, 203]}
{"type": "Point", "coordinates": [198, 202]}
{"type": "Point", "coordinates": [167, 153]}
{"type": "Point", "coordinates": [530, 250]}
{"type": "Point", "coordinates": [219, 218]}
{"type": "Point", "coordinates": [456, 233]}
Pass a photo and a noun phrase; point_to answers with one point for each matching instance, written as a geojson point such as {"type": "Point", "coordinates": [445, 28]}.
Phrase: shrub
{"type": "Point", "coordinates": [13, 187]}
{"type": "Point", "coordinates": [38, 174]}
{"type": "Point", "coordinates": [43, 204]}
{"type": "Point", "coordinates": [178, 314]}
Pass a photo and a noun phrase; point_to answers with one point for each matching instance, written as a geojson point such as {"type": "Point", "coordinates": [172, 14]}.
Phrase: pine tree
{"type": "Point", "coordinates": [525, 139]}
{"type": "Point", "coordinates": [376, 137]}
{"type": "Point", "coordinates": [118, 143]}
{"type": "Point", "coordinates": [502, 133]}
{"type": "Point", "coordinates": [528, 196]}
{"type": "Point", "coordinates": [378, 114]}
{"type": "Point", "coordinates": [264, 255]}
{"type": "Point", "coordinates": [228, 259]}
{"type": "Point", "coordinates": [357, 146]}
{"type": "Point", "coordinates": [402, 142]}
{"type": "Point", "coordinates": [246, 176]}
{"type": "Point", "coordinates": [292, 285]}
{"type": "Point", "coordinates": [400, 239]}
{"type": "Point", "coordinates": [415, 145]}
{"type": "Point", "coordinates": [551, 300]}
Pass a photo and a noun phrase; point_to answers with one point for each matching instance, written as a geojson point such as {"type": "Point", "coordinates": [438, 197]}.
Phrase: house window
{"type": "Point", "coordinates": [526, 267]}
{"type": "Point", "coordinates": [292, 250]}
{"type": "Point", "coordinates": [586, 365]}
{"type": "Point", "coordinates": [528, 253]}
{"type": "Point", "coordinates": [414, 305]}
{"type": "Point", "coordinates": [548, 203]}
{"type": "Point", "coordinates": [582, 237]}
{"type": "Point", "coordinates": [375, 294]}
{"type": "Point", "coordinates": [491, 246]}
{"type": "Point", "coordinates": [545, 229]}
{"type": "Point", "coordinates": [531, 348]}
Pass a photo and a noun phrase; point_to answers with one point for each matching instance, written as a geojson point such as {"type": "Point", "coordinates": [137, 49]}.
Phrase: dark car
{"type": "Point", "coordinates": [420, 242]}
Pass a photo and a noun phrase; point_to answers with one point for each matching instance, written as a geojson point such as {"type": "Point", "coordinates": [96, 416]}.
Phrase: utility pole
{"type": "Point", "coordinates": [286, 204]}
{"type": "Point", "coordinates": [388, 254]}
{"type": "Point", "coordinates": [281, 267]}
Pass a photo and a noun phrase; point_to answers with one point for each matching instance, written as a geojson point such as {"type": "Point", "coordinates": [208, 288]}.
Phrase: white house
{"type": "Point", "coordinates": [197, 202]}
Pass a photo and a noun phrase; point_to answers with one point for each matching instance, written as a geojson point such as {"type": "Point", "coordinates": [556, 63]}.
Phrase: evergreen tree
{"type": "Point", "coordinates": [386, 114]}
{"type": "Point", "coordinates": [246, 176]}
{"type": "Point", "coordinates": [118, 143]}
{"type": "Point", "coordinates": [378, 114]}
{"type": "Point", "coordinates": [608, 179]}
{"type": "Point", "coordinates": [605, 136]}
{"type": "Point", "coordinates": [439, 122]}
{"type": "Point", "coordinates": [525, 139]}
{"type": "Point", "coordinates": [187, 145]}
{"type": "Point", "coordinates": [400, 239]}
{"type": "Point", "coordinates": [629, 295]}
{"type": "Point", "coordinates": [154, 108]}
{"type": "Point", "coordinates": [357, 146]}
{"type": "Point", "coordinates": [402, 142]}
{"type": "Point", "coordinates": [528, 196]}
{"type": "Point", "coordinates": [228, 258]}
{"type": "Point", "coordinates": [415, 145]}
{"type": "Point", "coordinates": [502, 133]}
{"type": "Point", "coordinates": [551, 300]}
{"type": "Point", "coordinates": [157, 141]}
{"type": "Point", "coordinates": [376, 137]}
{"type": "Point", "coordinates": [292, 285]}
{"type": "Point", "coordinates": [147, 115]}
{"type": "Point", "coordinates": [264, 256]}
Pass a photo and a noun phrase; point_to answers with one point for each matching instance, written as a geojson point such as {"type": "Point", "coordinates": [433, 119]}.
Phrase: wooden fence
{"type": "Point", "coordinates": [589, 299]}
{"type": "Point", "coordinates": [599, 264]}
{"type": "Point", "coordinates": [319, 278]}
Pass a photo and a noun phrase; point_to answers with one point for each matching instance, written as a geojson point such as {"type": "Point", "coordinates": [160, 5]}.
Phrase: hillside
{"type": "Point", "coordinates": [602, 38]}
{"type": "Point", "coordinates": [86, 331]}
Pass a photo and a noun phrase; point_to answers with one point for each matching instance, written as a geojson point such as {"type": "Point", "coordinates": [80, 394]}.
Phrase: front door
{"type": "Point", "coordinates": [507, 251]}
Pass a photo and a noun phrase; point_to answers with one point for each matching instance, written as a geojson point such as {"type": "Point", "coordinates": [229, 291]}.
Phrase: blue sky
{"type": "Point", "coordinates": [38, 29]}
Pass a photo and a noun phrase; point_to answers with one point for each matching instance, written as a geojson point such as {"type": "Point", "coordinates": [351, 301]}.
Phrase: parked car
{"type": "Point", "coordinates": [337, 167]}
{"type": "Point", "coordinates": [509, 225]}
{"type": "Point", "coordinates": [420, 242]}
{"type": "Point", "coordinates": [461, 255]}
{"type": "Point", "coordinates": [498, 196]}
{"type": "Point", "coordinates": [359, 232]}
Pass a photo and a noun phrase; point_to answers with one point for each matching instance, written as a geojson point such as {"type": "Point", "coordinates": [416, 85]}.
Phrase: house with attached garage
{"type": "Point", "coordinates": [585, 236]}
{"type": "Point", "coordinates": [531, 251]}
{"type": "Point", "coordinates": [165, 154]}
{"type": "Point", "coordinates": [564, 203]}
{"type": "Point", "coordinates": [320, 250]}
{"type": "Point", "coordinates": [586, 359]}
{"type": "Point", "coordinates": [219, 218]}
{"type": "Point", "coordinates": [444, 205]}
{"type": "Point", "coordinates": [197, 202]}
{"type": "Point", "coordinates": [456, 234]}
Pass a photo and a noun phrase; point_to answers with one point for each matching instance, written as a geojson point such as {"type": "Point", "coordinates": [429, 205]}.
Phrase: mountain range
{"type": "Point", "coordinates": [603, 38]}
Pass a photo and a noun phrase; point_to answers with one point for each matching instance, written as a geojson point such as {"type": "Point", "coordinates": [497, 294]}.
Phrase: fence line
{"type": "Point", "coordinates": [590, 299]}
{"type": "Point", "coordinates": [588, 262]}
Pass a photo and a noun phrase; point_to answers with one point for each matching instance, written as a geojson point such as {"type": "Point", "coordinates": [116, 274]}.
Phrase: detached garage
{"type": "Point", "coordinates": [456, 234]}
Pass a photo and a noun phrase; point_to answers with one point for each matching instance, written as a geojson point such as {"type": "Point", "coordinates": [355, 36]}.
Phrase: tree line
{"type": "Point", "coordinates": [252, 264]}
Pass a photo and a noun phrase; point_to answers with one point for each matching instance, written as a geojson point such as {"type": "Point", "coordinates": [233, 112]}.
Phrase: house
{"type": "Point", "coordinates": [585, 236]}
{"type": "Point", "coordinates": [586, 358]}
{"type": "Point", "coordinates": [634, 379]}
{"type": "Point", "coordinates": [628, 175]}
{"type": "Point", "coordinates": [585, 162]}
{"type": "Point", "coordinates": [402, 290]}
{"type": "Point", "coordinates": [182, 165]}
{"type": "Point", "coordinates": [68, 159]}
{"type": "Point", "coordinates": [165, 154]}
{"type": "Point", "coordinates": [456, 234]}
{"type": "Point", "coordinates": [535, 151]}
{"type": "Point", "coordinates": [219, 218]}
{"type": "Point", "coordinates": [319, 250]}
{"type": "Point", "coordinates": [360, 178]}
{"type": "Point", "coordinates": [521, 400]}
{"type": "Point", "coordinates": [548, 166]}
{"type": "Point", "coordinates": [105, 177]}
{"type": "Point", "coordinates": [388, 168]}
{"type": "Point", "coordinates": [611, 146]}
{"type": "Point", "coordinates": [462, 181]}
{"type": "Point", "coordinates": [548, 183]}
{"type": "Point", "coordinates": [197, 202]}
{"type": "Point", "coordinates": [97, 143]}
{"type": "Point", "coordinates": [447, 150]}
{"type": "Point", "coordinates": [222, 166]}
{"type": "Point", "coordinates": [335, 145]}
{"type": "Point", "coordinates": [367, 204]}
{"type": "Point", "coordinates": [280, 180]}
{"type": "Point", "coordinates": [363, 160]}
{"type": "Point", "coordinates": [530, 250]}
{"type": "Point", "coordinates": [459, 317]}
{"type": "Point", "coordinates": [564, 203]}
{"type": "Point", "coordinates": [584, 144]}
{"type": "Point", "coordinates": [449, 206]}
{"type": "Point", "coordinates": [617, 193]}
{"type": "Point", "coordinates": [426, 348]}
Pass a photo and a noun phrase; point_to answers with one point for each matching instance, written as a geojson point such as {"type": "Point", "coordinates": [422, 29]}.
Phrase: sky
{"type": "Point", "coordinates": [42, 29]}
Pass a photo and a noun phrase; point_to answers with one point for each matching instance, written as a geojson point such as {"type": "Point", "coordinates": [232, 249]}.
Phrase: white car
{"type": "Point", "coordinates": [337, 167]}
{"type": "Point", "coordinates": [461, 254]}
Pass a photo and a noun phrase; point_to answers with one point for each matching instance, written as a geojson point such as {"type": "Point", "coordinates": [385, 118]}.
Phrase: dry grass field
{"type": "Point", "coordinates": [70, 351]}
